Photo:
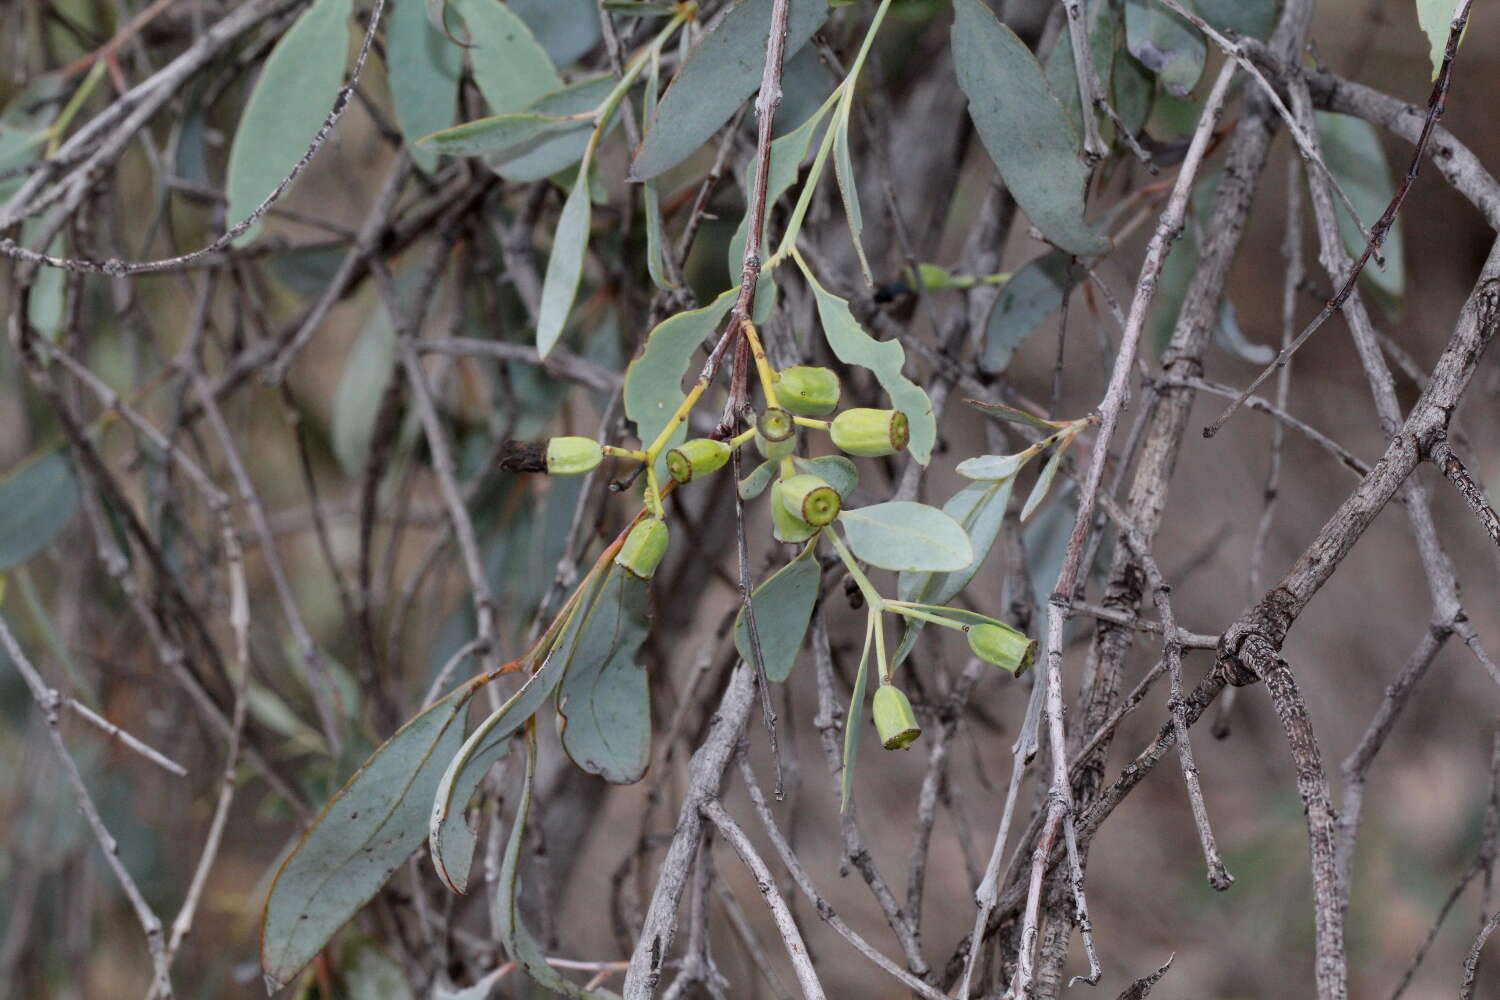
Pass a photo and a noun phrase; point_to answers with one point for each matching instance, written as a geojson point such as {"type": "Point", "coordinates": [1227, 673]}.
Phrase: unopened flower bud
{"type": "Point", "coordinates": [573, 456]}
{"type": "Point", "coordinates": [870, 433]}
{"type": "Point", "coordinates": [697, 458]}
{"type": "Point", "coordinates": [808, 391]}
{"type": "Point", "coordinates": [810, 499]}
{"type": "Point", "coordinates": [1007, 648]}
{"type": "Point", "coordinates": [894, 720]}
{"type": "Point", "coordinates": [644, 548]}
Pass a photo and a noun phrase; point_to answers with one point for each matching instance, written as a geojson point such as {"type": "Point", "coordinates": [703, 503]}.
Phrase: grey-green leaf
{"type": "Point", "coordinates": [843, 172]}
{"type": "Point", "coordinates": [367, 830]}
{"type": "Point", "coordinates": [723, 70]}
{"type": "Point", "coordinates": [37, 500]}
{"type": "Point", "coordinates": [980, 508]}
{"type": "Point", "coordinates": [356, 404]}
{"type": "Point", "coordinates": [906, 536]}
{"type": "Point", "coordinates": [1044, 479]}
{"type": "Point", "coordinates": [565, 265]}
{"type": "Point", "coordinates": [555, 150]}
{"type": "Point", "coordinates": [884, 358]}
{"type": "Point", "coordinates": [755, 484]}
{"type": "Point", "coordinates": [566, 28]}
{"type": "Point", "coordinates": [424, 68]}
{"type": "Point", "coordinates": [1035, 292]}
{"type": "Point", "coordinates": [1255, 18]}
{"type": "Point", "coordinates": [653, 381]}
{"type": "Point", "coordinates": [656, 231]}
{"type": "Point", "coordinates": [296, 89]}
{"type": "Point", "coordinates": [1165, 44]}
{"type": "Point", "coordinates": [604, 701]}
{"type": "Point", "coordinates": [783, 607]}
{"type": "Point", "coordinates": [371, 974]}
{"type": "Point", "coordinates": [522, 948]}
{"type": "Point", "coordinates": [1061, 70]}
{"type": "Point", "coordinates": [854, 722]}
{"type": "Point", "coordinates": [787, 153]}
{"type": "Point", "coordinates": [1023, 127]}
{"type": "Point", "coordinates": [510, 65]}
{"type": "Point", "coordinates": [835, 470]}
{"type": "Point", "coordinates": [1351, 148]}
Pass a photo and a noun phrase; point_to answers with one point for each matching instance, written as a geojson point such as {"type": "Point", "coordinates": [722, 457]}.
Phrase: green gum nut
{"type": "Point", "coordinates": [775, 424]}
{"type": "Point", "coordinates": [810, 499]}
{"type": "Point", "coordinates": [573, 456]}
{"type": "Point", "coordinates": [697, 458]}
{"type": "Point", "coordinates": [807, 391]}
{"type": "Point", "coordinates": [894, 720]}
{"type": "Point", "coordinates": [644, 548]}
{"type": "Point", "coordinates": [1007, 648]}
{"type": "Point", "coordinates": [870, 433]}
{"type": "Point", "coordinates": [788, 526]}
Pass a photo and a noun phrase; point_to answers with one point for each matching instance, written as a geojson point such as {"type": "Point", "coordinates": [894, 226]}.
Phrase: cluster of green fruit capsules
{"type": "Point", "coordinates": [802, 503]}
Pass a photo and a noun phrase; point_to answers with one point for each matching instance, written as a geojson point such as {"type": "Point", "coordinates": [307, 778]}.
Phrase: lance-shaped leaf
{"type": "Point", "coordinates": [1044, 480]}
{"type": "Point", "coordinates": [604, 701]}
{"type": "Point", "coordinates": [39, 497]}
{"type": "Point", "coordinates": [755, 484]}
{"type": "Point", "coordinates": [1023, 127]}
{"type": "Point", "coordinates": [995, 467]}
{"type": "Point", "coordinates": [546, 154]}
{"type": "Point", "coordinates": [522, 948]}
{"type": "Point", "coordinates": [843, 172]}
{"type": "Point", "coordinates": [585, 639]}
{"type": "Point", "coordinates": [1011, 415]}
{"type": "Point", "coordinates": [854, 722]}
{"type": "Point", "coordinates": [783, 606]}
{"type": "Point", "coordinates": [885, 358]}
{"type": "Point", "coordinates": [1351, 148]}
{"type": "Point", "coordinates": [653, 381]}
{"type": "Point", "coordinates": [296, 89]}
{"type": "Point", "coordinates": [565, 265]}
{"type": "Point", "coordinates": [1165, 44]}
{"type": "Point", "coordinates": [1035, 292]}
{"type": "Point", "coordinates": [787, 154]}
{"type": "Point", "coordinates": [906, 536]}
{"type": "Point", "coordinates": [980, 508]}
{"type": "Point", "coordinates": [566, 28]}
{"type": "Point", "coordinates": [656, 230]}
{"type": "Point", "coordinates": [423, 67]}
{"type": "Point", "coordinates": [364, 834]}
{"type": "Point", "coordinates": [510, 65]}
{"type": "Point", "coordinates": [356, 403]}
{"type": "Point", "coordinates": [723, 70]}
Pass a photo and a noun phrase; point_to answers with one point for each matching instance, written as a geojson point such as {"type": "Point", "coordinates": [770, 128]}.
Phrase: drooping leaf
{"type": "Point", "coordinates": [566, 28]}
{"type": "Point", "coordinates": [902, 535]}
{"type": "Point", "coordinates": [884, 358]}
{"type": "Point", "coordinates": [1045, 541]}
{"type": "Point", "coordinates": [1035, 292]}
{"type": "Point", "coordinates": [293, 95]}
{"type": "Point", "coordinates": [653, 381]}
{"type": "Point", "coordinates": [787, 153]}
{"type": "Point", "coordinates": [1351, 148]}
{"type": "Point", "coordinates": [979, 508]}
{"type": "Point", "coordinates": [835, 470]}
{"type": "Point", "coordinates": [565, 266]}
{"type": "Point", "coordinates": [1165, 44]}
{"type": "Point", "coordinates": [356, 404]}
{"type": "Point", "coordinates": [500, 134]}
{"type": "Point", "coordinates": [1134, 89]}
{"type": "Point", "coordinates": [1044, 479]}
{"type": "Point", "coordinates": [424, 67]}
{"type": "Point", "coordinates": [1011, 415]}
{"type": "Point", "coordinates": [604, 702]}
{"type": "Point", "coordinates": [656, 229]}
{"type": "Point", "coordinates": [1023, 127]}
{"type": "Point", "coordinates": [600, 625]}
{"type": "Point", "coordinates": [722, 70]}
{"type": "Point", "coordinates": [854, 722]}
{"type": "Point", "coordinates": [365, 832]}
{"type": "Point", "coordinates": [1436, 19]}
{"type": "Point", "coordinates": [510, 65]}
{"type": "Point", "coordinates": [37, 500]}
{"type": "Point", "coordinates": [44, 307]}
{"type": "Point", "coordinates": [522, 948]}
{"type": "Point", "coordinates": [843, 172]}
{"type": "Point", "coordinates": [783, 607]}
